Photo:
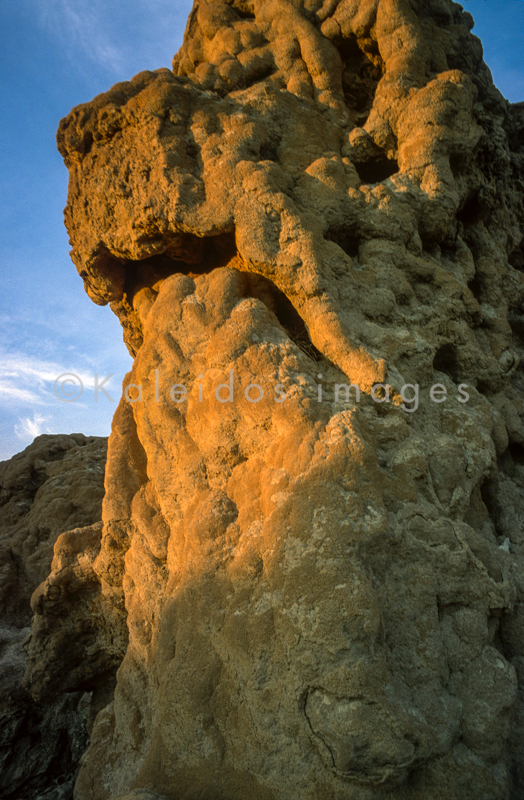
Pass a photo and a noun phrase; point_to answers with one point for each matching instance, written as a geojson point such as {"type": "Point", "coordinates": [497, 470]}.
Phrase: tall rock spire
{"type": "Point", "coordinates": [311, 231]}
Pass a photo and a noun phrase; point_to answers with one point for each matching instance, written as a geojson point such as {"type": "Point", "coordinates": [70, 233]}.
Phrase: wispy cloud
{"type": "Point", "coordinates": [33, 401]}
{"type": "Point", "coordinates": [28, 429]}
{"type": "Point", "coordinates": [23, 379]}
{"type": "Point", "coordinates": [14, 394]}
{"type": "Point", "coordinates": [28, 380]}
{"type": "Point", "coordinates": [121, 39]}
{"type": "Point", "coordinates": [79, 24]}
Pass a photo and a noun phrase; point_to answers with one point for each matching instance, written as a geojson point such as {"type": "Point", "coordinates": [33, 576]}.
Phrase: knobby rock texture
{"type": "Point", "coordinates": [55, 485]}
{"type": "Point", "coordinates": [322, 592]}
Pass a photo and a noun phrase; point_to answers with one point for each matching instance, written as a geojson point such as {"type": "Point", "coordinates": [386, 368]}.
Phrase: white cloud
{"type": "Point", "coordinates": [29, 429]}
{"type": "Point", "coordinates": [29, 406]}
{"type": "Point", "coordinates": [28, 380]}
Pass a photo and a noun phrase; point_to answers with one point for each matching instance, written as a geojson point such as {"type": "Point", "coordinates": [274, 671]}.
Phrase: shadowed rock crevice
{"type": "Point", "coordinates": [472, 211]}
{"type": "Point", "coordinates": [363, 68]}
{"type": "Point", "coordinates": [185, 255]}
{"type": "Point", "coordinates": [376, 170]}
{"type": "Point", "coordinates": [446, 360]}
{"type": "Point", "coordinates": [516, 257]}
{"type": "Point", "coordinates": [265, 290]}
{"type": "Point", "coordinates": [195, 257]}
{"type": "Point", "coordinates": [346, 239]}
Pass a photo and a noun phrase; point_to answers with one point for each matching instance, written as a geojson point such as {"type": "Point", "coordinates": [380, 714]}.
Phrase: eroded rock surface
{"type": "Point", "coordinates": [323, 591]}
{"type": "Point", "coordinates": [56, 483]}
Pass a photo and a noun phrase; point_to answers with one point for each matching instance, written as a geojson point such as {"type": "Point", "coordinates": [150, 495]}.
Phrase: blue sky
{"type": "Point", "coordinates": [54, 55]}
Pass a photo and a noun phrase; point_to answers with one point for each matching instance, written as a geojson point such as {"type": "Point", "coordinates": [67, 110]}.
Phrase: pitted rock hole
{"type": "Point", "coordinates": [363, 69]}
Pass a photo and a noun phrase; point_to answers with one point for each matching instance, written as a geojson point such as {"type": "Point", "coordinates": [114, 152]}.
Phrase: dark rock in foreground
{"type": "Point", "coordinates": [57, 483]}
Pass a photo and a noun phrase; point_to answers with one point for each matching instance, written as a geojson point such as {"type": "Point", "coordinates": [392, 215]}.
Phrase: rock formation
{"type": "Point", "coordinates": [322, 585]}
{"type": "Point", "coordinates": [56, 484]}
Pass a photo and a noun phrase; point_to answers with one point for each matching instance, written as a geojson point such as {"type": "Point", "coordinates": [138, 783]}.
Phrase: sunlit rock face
{"type": "Point", "coordinates": [323, 589]}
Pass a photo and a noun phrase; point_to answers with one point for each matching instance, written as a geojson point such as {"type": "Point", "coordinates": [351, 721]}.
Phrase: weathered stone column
{"type": "Point", "coordinates": [311, 230]}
